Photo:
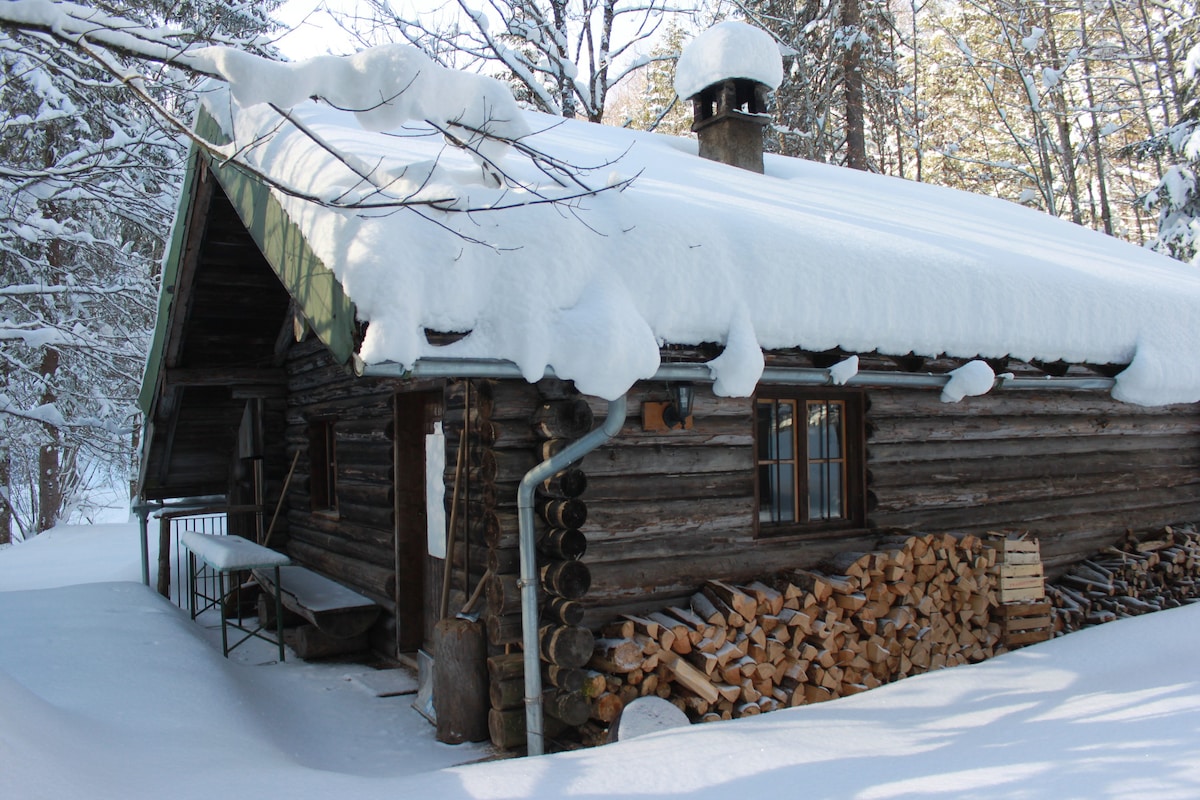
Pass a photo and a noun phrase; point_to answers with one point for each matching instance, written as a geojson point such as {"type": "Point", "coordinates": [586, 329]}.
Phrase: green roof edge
{"type": "Point", "coordinates": [168, 274]}
{"type": "Point", "coordinates": [314, 287]}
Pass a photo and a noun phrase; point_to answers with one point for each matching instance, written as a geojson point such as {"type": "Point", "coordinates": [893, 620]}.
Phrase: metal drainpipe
{"type": "Point", "coordinates": [534, 731]}
{"type": "Point", "coordinates": [142, 509]}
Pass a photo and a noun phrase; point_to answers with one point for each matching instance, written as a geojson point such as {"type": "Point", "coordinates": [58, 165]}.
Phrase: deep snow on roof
{"type": "Point", "coordinates": [807, 255]}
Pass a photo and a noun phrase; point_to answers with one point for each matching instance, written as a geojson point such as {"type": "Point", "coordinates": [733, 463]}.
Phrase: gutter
{"type": "Point", "coordinates": [693, 372]}
{"type": "Point", "coordinates": [698, 372]}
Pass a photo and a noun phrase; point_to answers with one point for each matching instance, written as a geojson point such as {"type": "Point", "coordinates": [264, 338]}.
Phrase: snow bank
{"type": "Point", "coordinates": [808, 256]}
{"type": "Point", "coordinates": [69, 554]}
{"type": "Point", "coordinates": [728, 50]}
{"type": "Point", "coordinates": [106, 691]}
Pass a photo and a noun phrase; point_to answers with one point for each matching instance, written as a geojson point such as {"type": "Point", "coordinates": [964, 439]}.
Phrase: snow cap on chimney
{"type": "Point", "coordinates": [728, 50]}
{"type": "Point", "coordinates": [727, 72]}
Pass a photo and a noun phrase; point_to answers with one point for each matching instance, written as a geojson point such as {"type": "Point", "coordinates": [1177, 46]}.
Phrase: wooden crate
{"type": "Point", "coordinates": [1018, 570]}
{"type": "Point", "coordinates": [1025, 623]}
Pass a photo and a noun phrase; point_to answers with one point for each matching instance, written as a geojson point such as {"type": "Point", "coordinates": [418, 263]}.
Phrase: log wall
{"type": "Point", "coordinates": [1076, 469]}
{"type": "Point", "coordinates": [669, 510]}
{"type": "Point", "coordinates": [355, 546]}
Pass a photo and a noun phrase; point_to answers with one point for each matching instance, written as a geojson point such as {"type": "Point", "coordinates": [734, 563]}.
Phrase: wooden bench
{"type": "Point", "coordinates": [339, 617]}
{"type": "Point", "coordinates": [223, 557]}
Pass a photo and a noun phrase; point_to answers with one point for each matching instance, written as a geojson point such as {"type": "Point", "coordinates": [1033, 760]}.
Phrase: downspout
{"type": "Point", "coordinates": [142, 509]}
{"type": "Point", "coordinates": [534, 731]}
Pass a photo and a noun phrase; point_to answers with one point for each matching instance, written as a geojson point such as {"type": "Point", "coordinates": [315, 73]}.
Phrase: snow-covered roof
{"type": "Point", "coordinates": [683, 250]}
{"type": "Point", "coordinates": [728, 50]}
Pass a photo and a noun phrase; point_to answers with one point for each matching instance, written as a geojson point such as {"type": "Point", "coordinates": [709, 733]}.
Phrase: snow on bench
{"type": "Point", "coordinates": [226, 553]}
{"type": "Point", "coordinates": [334, 609]}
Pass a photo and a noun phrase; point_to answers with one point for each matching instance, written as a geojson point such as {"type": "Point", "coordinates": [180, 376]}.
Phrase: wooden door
{"type": "Point", "coordinates": [415, 416]}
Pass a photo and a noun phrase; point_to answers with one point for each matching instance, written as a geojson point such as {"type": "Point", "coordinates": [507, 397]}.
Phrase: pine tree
{"type": "Point", "coordinates": [654, 105]}
{"type": "Point", "coordinates": [1177, 196]}
{"type": "Point", "coordinates": [88, 180]}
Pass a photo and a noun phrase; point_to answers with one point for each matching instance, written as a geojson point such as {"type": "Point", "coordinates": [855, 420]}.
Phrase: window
{"type": "Point", "coordinates": [322, 458]}
{"type": "Point", "coordinates": [809, 456]}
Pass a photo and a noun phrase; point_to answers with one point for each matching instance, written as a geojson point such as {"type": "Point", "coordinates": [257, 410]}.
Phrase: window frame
{"type": "Point", "coordinates": [322, 460]}
{"type": "Point", "coordinates": [854, 455]}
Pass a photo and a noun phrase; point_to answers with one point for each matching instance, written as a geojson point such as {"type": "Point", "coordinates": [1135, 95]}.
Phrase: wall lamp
{"type": "Point", "coordinates": [680, 407]}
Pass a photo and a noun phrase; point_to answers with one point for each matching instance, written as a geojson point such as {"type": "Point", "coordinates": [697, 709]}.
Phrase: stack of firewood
{"type": "Point", "coordinates": [1138, 576]}
{"type": "Point", "coordinates": [918, 603]}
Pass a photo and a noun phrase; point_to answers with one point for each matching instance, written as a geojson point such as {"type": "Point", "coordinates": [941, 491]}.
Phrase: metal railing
{"type": "Point", "coordinates": [172, 525]}
{"type": "Point", "coordinates": [213, 520]}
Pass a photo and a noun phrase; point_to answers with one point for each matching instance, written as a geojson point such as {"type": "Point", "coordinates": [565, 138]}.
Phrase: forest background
{"type": "Point", "coordinates": [1083, 109]}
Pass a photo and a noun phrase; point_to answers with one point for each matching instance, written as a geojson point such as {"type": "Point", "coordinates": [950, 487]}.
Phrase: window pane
{"type": "Point", "coordinates": [833, 430]}
{"type": "Point", "coordinates": [766, 430]}
{"type": "Point", "coordinates": [824, 430]}
{"type": "Point", "coordinates": [816, 429]}
{"type": "Point", "coordinates": [786, 429]}
{"type": "Point", "coordinates": [766, 494]}
{"type": "Point", "coordinates": [825, 490]}
{"type": "Point", "coordinates": [777, 493]}
{"type": "Point", "coordinates": [785, 476]}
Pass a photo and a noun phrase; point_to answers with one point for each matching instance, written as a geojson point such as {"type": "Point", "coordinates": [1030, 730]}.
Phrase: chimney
{"type": "Point", "coordinates": [727, 72]}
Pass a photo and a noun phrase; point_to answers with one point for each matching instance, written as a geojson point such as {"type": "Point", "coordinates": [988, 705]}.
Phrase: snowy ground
{"type": "Point", "coordinates": [108, 691]}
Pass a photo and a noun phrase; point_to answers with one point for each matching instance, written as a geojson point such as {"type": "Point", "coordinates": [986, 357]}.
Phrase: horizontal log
{"type": "Point", "coordinates": [1033, 513]}
{"type": "Point", "coordinates": [668, 460]}
{"type": "Point", "coordinates": [916, 451]}
{"type": "Point", "coordinates": [375, 537]}
{"type": "Point", "coordinates": [638, 488]}
{"type": "Point", "coordinates": [378, 583]}
{"type": "Point", "coordinates": [568, 679]}
{"type": "Point", "coordinates": [504, 596]}
{"type": "Point", "coordinates": [563, 419]}
{"type": "Point", "coordinates": [916, 404]}
{"type": "Point", "coordinates": [571, 482]}
{"type": "Point", "coordinates": [1050, 466]}
{"type": "Point", "coordinates": [569, 513]}
{"type": "Point", "coordinates": [365, 493]}
{"type": "Point", "coordinates": [507, 694]}
{"type": "Point", "coordinates": [566, 645]}
{"type": "Point", "coordinates": [506, 667]}
{"type": "Point", "coordinates": [475, 394]}
{"type": "Point", "coordinates": [563, 612]}
{"type": "Point", "coordinates": [1009, 428]}
{"type": "Point", "coordinates": [562, 544]}
{"type": "Point", "coordinates": [570, 708]}
{"type": "Point", "coordinates": [974, 495]}
{"type": "Point", "coordinates": [371, 516]}
{"type": "Point", "coordinates": [502, 630]}
{"type": "Point", "coordinates": [369, 552]}
{"type": "Point", "coordinates": [566, 579]}
{"type": "Point", "coordinates": [653, 524]}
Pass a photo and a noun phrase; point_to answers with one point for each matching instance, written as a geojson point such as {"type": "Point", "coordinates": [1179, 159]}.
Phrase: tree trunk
{"type": "Point", "coordinates": [50, 482]}
{"type": "Point", "coordinates": [1097, 150]}
{"type": "Point", "coordinates": [5, 488]}
{"type": "Point", "coordinates": [856, 137]}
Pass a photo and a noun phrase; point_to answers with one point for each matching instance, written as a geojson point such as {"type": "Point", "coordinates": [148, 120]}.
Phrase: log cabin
{"type": "Point", "coordinates": [582, 374]}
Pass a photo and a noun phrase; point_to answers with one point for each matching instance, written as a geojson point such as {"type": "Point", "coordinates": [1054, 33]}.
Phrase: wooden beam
{"type": "Point", "coordinates": [287, 335]}
{"type": "Point", "coordinates": [182, 290]}
{"type": "Point", "coordinates": [225, 376]}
